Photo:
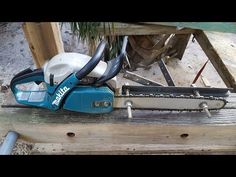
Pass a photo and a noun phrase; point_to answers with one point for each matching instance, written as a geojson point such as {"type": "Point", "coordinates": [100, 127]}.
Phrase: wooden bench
{"type": "Point", "coordinates": [149, 132]}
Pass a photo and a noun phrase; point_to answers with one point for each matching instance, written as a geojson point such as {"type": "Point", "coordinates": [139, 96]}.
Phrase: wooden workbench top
{"type": "Point", "coordinates": [155, 132]}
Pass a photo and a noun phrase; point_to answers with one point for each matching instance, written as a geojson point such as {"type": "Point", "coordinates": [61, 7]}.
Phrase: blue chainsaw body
{"type": "Point", "coordinates": [86, 99]}
{"type": "Point", "coordinates": [70, 93]}
{"type": "Point", "coordinates": [90, 100]}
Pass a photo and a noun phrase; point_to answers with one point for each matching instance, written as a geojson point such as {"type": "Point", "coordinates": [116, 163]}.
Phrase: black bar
{"type": "Point", "coordinates": [176, 91]}
{"type": "Point", "coordinates": [165, 73]}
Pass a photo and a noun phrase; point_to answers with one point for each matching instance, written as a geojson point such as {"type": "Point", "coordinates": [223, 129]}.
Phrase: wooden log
{"type": "Point", "coordinates": [44, 40]}
{"type": "Point", "coordinates": [215, 59]}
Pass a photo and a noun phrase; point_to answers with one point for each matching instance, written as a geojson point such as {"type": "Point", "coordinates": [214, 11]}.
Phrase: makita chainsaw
{"type": "Point", "coordinates": [81, 83]}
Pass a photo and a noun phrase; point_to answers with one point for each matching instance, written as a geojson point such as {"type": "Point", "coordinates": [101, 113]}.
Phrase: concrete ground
{"type": "Point", "coordinates": [15, 56]}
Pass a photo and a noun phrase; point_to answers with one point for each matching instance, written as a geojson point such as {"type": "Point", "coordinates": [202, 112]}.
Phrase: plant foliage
{"type": "Point", "coordinates": [93, 32]}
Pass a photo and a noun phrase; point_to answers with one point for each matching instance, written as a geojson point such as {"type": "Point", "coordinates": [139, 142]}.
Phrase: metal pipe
{"type": "Point", "coordinates": [9, 143]}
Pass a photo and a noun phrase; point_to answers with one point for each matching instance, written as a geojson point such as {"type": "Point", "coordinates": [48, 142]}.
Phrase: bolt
{"type": "Point", "coordinates": [129, 110]}
{"type": "Point", "coordinates": [205, 108]}
{"type": "Point", "coordinates": [96, 104]}
{"type": "Point", "coordinates": [196, 93]}
{"type": "Point", "coordinates": [106, 104]}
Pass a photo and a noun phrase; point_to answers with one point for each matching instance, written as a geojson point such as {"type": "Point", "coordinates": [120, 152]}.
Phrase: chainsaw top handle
{"type": "Point", "coordinates": [113, 66]}
{"type": "Point", "coordinates": [93, 61]}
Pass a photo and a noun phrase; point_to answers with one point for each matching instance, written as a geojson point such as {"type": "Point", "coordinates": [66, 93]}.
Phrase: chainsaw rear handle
{"type": "Point", "coordinates": [93, 61]}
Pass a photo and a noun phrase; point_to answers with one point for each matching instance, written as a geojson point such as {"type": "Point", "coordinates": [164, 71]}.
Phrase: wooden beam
{"type": "Point", "coordinates": [126, 149]}
{"type": "Point", "coordinates": [145, 29]}
{"type": "Point", "coordinates": [226, 27]}
{"type": "Point", "coordinates": [215, 59]}
{"type": "Point", "coordinates": [44, 40]}
{"type": "Point", "coordinates": [113, 133]}
{"type": "Point", "coordinates": [114, 136]}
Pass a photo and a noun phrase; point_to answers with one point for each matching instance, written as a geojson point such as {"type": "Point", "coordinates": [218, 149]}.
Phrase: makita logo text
{"type": "Point", "coordinates": [60, 94]}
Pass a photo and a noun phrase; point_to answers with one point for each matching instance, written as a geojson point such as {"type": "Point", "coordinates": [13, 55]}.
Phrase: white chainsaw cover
{"type": "Point", "coordinates": [63, 64]}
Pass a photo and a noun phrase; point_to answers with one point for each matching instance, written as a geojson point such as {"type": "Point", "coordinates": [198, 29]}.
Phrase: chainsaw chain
{"type": "Point", "coordinates": [179, 97]}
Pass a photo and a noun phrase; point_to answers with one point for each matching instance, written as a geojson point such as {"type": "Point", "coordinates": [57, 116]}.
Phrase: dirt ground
{"type": "Point", "coordinates": [15, 56]}
{"type": "Point", "coordinates": [21, 147]}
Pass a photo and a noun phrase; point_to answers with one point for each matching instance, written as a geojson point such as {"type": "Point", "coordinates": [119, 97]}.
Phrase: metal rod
{"type": "Point", "coordinates": [199, 73]}
{"type": "Point", "coordinates": [17, 106]}
{"type": "Point", "coordinates": [129, 106]}
{"type": "Point", "coordinates": [9, 143]}
{"type": "Point", "coordinates": [165, 73]}
{"type": "Point", "coordinates": [139, 79]}
{"type": "Point", "coordinates": [127, 60]}
{"type": "Point", "coordinates": [205, 108]}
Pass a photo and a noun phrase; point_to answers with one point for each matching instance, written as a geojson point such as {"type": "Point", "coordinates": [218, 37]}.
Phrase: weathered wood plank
{"type": "Point", "coordinates": [227, 27]}
{"type": "Point", "coordinates": [151, 132]}
{"type": "Point", "coordinates": [44, 40]}
{"type": "Point", "coordinates": [147, 29]}
{"type": "Point", "coordinates": [40, 125]}
{"type": "Point", "coordinates": [76, 148]}
{"type": "Point", "coordinates": [102, 130]}
{"type": "Point", "coordinates": [39, 115]}
{"type": "Point", "coordinates": [215, 59]}
{"type": "Point", "coordinates": [94, 135]}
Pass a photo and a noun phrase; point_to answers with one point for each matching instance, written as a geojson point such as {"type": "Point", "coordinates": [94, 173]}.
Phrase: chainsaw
{"type": "Point", "coordinates": [78, 82]}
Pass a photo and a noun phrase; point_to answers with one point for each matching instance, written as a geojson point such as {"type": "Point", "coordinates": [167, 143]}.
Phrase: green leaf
{"type": "Point", "coordinates": [89, 32]}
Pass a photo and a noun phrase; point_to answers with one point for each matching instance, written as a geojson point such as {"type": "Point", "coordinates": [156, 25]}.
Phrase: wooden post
{"type": "Point", "coordinates": [44, 40]}
{"type": "Point", "coordinates": [215, 59]}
